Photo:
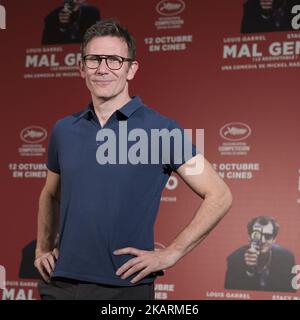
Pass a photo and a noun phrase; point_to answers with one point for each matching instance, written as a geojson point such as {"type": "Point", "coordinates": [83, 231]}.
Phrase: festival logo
{"type": "Point", "coordinates": [33, 134]}
{"type": "Point", "coordinates": [235, 131]}
{"type": "Point", "coordinates": [170, 8]}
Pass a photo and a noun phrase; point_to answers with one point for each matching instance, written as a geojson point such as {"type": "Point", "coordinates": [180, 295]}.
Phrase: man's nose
{"type": "Point", "coordinates": [102, 68]}
{"type": "Point", "coordinates": [263, 239]}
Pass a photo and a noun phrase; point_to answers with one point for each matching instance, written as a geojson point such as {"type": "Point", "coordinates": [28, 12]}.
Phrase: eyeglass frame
{"type": "Point", "coordinates": [100, 57]}
{"type": "Point", "coordinates": [268, 236]}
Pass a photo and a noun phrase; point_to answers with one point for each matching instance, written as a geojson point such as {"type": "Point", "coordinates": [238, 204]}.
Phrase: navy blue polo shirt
{"type": "Point", "coordinates": [105, 206]}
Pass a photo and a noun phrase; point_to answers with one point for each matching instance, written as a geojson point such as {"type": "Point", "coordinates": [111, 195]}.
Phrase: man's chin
{"type": "Point", "coordinates": [265, 250]}
{"type": "Point", "coordinates": [102, 95]}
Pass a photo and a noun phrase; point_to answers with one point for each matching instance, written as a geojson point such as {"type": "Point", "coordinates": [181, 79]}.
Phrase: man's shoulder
{"type": "Point", "coordinates": [238, 253]}
{"type": "Point", "coordinates": [280, 251]}
{"type": "Point", "coordinates": [54, 13]}
{"type": "Point", "coordinates": [252, 4]}
{"type": "Point", "coordinates": [86, 8]}
{"type": "Point", "coordinates": [68, 120]}
{"type": "Point", "coordinates": [160, 120]}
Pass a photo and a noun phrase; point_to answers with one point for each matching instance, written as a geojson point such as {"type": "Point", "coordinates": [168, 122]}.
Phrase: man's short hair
{"type": "Point", "coordinates": [263, 220]}
{"type": "Point", "coordinates": [109, 27]}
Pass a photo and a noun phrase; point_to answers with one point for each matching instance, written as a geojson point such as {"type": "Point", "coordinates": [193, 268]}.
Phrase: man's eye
{"type": "Point", "coordinates": [114, 59]}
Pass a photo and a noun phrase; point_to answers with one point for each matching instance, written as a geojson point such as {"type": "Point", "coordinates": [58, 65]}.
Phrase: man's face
{"type": "Point", "coordinates": [267, 236]}
{"type": "Point", "coordinates": [103, 83]}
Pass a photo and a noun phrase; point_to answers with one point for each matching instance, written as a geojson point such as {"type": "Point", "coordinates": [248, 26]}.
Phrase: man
{"type": "Point", "coordinates": [262, 265]}
{"type": "Point", "coordinates": [107, 210]}
{"type": "Point", "coordinates": [68, 23]}
{"type": "Point", "coordinates": [267, 15]}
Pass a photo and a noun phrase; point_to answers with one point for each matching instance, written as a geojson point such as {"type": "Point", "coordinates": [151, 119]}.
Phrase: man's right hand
{"type": "Point", "coordinates": [266, 4]}
{"type": "Point", "coordinates": [64, 16]}
{"type": "Point", "coordinates": [45, 263]}
{"type": "Point", "coordinates": [251, 257]}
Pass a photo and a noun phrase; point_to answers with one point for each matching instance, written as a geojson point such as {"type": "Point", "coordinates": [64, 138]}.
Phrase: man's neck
{"type": "Point", "coordinates": [105, 108]}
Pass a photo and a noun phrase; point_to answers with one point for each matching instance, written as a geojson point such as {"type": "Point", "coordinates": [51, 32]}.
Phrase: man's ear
{"type": "Point", "coordinates": [81, 69]}
{"type": "Point", "coordinates": [132, 70]}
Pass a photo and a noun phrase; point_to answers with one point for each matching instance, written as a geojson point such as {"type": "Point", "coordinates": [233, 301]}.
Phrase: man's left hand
{"type": "Point", "coordinates": [145, 262]}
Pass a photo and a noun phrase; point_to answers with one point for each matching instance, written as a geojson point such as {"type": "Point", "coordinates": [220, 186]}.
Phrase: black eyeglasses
{"type": "Point", "coordinates": [268, 236]}
{"type": "Point", "coordinates": [113, 62]}
{"type": "Point", "coordinates": [257, 235]}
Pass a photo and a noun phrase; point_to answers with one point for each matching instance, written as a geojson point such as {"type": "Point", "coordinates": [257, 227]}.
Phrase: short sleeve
{"type": "Point", "coordinates": [181, 147]}
{"type": "Point", "coordinates": [53, 159]}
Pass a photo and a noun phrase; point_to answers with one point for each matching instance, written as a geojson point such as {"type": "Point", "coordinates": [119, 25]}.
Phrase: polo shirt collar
{"type": "Point", "coordinates": [127, 110]}
{"type": "Point", "coordinates": [130, 107]}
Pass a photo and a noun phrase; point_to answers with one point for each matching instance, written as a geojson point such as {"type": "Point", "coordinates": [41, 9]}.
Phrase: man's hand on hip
{"type": "Point", "coordinates": [145, 262]}
{"type": "Point", "coordinates": [45, 263]}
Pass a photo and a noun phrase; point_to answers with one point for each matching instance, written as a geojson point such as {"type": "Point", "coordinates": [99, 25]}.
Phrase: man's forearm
{"type": "Point", "coordinates": [213, 208]}
{"type": "Point", "coordinates": [48, 220]}
{"type": "Point", "coordinates": [211, 211]}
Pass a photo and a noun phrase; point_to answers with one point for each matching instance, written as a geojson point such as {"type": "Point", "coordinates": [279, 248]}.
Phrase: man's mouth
{"type": "Point", "coordinates": [102, 82]}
